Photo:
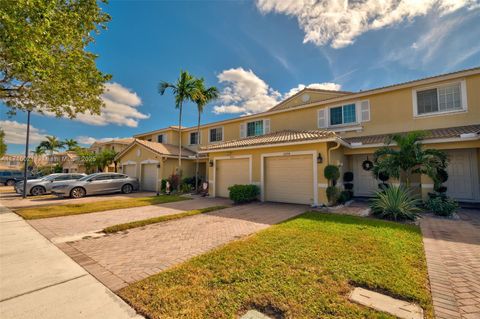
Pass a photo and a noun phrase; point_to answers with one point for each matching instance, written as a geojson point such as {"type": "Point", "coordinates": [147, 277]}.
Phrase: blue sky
{"type": "Point", "coordinates": [257, 53]}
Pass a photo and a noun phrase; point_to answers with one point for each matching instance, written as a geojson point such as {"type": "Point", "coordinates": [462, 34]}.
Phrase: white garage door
{"type": "Point", "coordinates": [149, 177]}
{"type": "Point", "coordinates": [230, 172]}
{"type": "Point", "coordinates": [289, 179]}
{"type": "Point", "coordinates": [364, 184]}
{"type": "Point", "coordinates": [462, 183]}
{"type": "Point", "coordinates": [130, 170]}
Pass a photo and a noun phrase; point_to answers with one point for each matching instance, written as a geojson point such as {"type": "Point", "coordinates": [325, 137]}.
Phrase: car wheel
{"type": "Point", "coordinates": [10, 182]}
{"type": "Point", "coordinates": [37, 190]}
{"type": "Point", "coordinates": [127, 189]}
{"type": "Point", "coordinates": [78, 192]}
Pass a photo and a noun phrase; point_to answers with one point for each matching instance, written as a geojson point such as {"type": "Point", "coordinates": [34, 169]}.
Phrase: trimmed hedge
{"type": "Point", "coordinates": [240, 194]}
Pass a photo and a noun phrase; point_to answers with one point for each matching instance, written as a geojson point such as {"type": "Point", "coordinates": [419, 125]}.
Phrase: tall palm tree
{"type": "Point", "coordinates": [52, 144]}
{"type": "Point", "coordinates": [71, 144]}
{"type": "Point", "coordinates": [408, 157]}
{"type": "Point", "coordinates": [184, 90]}
{"type": "Point", "coordinates": [204, 96]}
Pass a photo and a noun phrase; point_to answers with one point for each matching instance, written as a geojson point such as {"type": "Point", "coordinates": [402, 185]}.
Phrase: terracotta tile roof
{"type": "Point", "coordinates": [286, 136]}
{"type": "Point", "coordinates": [127, 140]}
{"type": "Point", "coordinates": [165, 149]}
{"type": "Point", "coordinates": [448, 132]}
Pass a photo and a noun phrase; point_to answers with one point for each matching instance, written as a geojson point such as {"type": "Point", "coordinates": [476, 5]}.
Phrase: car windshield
{"type": "Point", "coordinates": [49, 177]}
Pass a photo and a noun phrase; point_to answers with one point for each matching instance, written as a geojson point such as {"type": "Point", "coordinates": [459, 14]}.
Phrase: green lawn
{"type": "Point", "coordinates": [92, 207]}
{"type": "Point", "coordinates": [159, 219]}
{"type": "Point", "coordinates": [302, 268]}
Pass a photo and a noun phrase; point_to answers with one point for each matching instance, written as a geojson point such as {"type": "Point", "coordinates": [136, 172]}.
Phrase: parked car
{"type": "Point", "coordinates": [10, 177]}
{"type": "Point", "coordinates": [98, 183]}
{"type": "Point", "coordinates": [44, 185]}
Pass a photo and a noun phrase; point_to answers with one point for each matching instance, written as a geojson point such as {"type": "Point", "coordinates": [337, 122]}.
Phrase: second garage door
{"type": "Point", "coordinates": [130, 170]}
{"type": "Point", "coordinates": [149, 177]}
{"type": "Point", "coordinates": [230, 172]}
{"type": "Point", "coordinates": [289, 179]}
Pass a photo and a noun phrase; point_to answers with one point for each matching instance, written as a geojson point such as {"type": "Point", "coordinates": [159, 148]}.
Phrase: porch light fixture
{"type": "Point", "coordinates": [210, 163]}
{"type": "Point", "coordinates": [319, 158]}
{"type": "Point", "coordinates": [158, 165]}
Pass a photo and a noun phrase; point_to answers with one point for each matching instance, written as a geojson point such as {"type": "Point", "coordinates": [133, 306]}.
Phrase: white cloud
{"type": "Point", "coordinates": [246, 93]}
{"type": "Point", "coordinates": [338, 23]}
{"type": "Point", "coordinates": [15, 133]}
{"type": "Point", "coordinates": [323, 86]}
{"type": "Point", "coordinates": [88, 140]}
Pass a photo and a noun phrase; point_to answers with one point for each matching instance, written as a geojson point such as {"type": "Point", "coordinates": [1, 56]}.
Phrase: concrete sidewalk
{"type": "Point", "coordinates": [37, 280]}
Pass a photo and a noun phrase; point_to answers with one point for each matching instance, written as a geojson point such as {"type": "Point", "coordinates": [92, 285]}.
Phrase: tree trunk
{"type": "Point", "coordinates": [180, 147]}
{"type": "Point", "coordinates": [196, 155]}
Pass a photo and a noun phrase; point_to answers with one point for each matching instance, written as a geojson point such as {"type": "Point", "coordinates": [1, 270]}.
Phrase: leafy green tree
{"type": "Point", "coordinates": [44, 64]}
{"type": "Point", "coordinates": [408, 157]}
{"type": "Point", "coordinates": [184, 90]}
{"type": "Point", "coordinates": [3, 145]}
{"type": "Point", "coordinates": [88, 159]}
{"type": "Point", "coordinates": [204, 96]}
{"type": "Point", "coordinates": [105, 158]}
{"type": "Point", "coordinates": [52, 144]}
{"type": "Point", "coordinates": [71, 144]}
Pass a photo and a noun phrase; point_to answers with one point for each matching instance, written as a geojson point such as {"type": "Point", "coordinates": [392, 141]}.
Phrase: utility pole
{"type": "Point", "coordinates": [25, 169]}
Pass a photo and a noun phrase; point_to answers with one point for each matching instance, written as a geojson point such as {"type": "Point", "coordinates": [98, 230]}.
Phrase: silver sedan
{"type": "Point", "coordinates": [98, 183]}
{"type": "Point", "coordinates": [44, 185]}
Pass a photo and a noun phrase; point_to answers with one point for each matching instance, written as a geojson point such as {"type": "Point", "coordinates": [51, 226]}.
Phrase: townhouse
{"type": "Point", "coordinates": [116, 145]}
{"type": "Point", "coordinates": [285, 149]}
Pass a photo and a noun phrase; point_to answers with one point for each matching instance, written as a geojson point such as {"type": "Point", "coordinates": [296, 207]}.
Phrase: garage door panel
{"type": "Point", "coordinates": [149, 177]}
{"type": "Point", "coordinates": [130, 170]}
{"type": "Point", "coordinates": [289, 179]}
{"type": "Point", "coordinates": [230, 172]}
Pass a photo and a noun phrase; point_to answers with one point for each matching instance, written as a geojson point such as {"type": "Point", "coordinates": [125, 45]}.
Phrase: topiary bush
{"type": "Point", "coordinates": [348, 177]}
{"type": "Point", "coordinates": [240, 194]}
{"type": "Point", "coordinates": [333, 194]}
{"type": "Point", "coordinates": [344, 197]}
{"type": "Point", "coordinates": [395, 203]}
{"type": "Point", "coordinates": [163, 185]}
{"type": "Point", "coordinates": [441, 205]}
{"type": "Point", "coordinates": [332, 173]}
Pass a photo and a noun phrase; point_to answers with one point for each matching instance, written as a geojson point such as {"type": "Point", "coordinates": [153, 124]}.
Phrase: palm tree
{"type": "Point", "coordinates": [204, 96]}
{"type": "Point", "coordinates": [71, 144]}
{"type": "Point", "coordinates": [52, 144]}
{"type": "Point", "coordinates": [408, 158]}
{"type": "Point", "coordinates": [184, 90]}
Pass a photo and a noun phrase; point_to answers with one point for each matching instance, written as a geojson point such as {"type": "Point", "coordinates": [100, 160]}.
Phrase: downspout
{"type": "Point", "coordinates": [336, 147]}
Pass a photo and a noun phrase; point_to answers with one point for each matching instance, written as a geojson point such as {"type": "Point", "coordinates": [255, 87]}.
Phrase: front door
{"type": "Point", "coordinates": [461, 174]}
{"type": "Point", "coordinates": [364, 184]}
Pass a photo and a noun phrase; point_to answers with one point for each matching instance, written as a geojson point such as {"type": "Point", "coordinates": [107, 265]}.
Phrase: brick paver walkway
{"type": "Point", "coordinates": [453, 257]}
{"type": "Point", "coordinates": [71, 225]}
{"type": "Point", "coordinates": [119, 259]}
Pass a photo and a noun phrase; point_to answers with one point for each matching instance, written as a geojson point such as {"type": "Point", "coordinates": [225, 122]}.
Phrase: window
{"type": "Point", "coordinates": [255, 128]}
{"type": "Point", "coordinates": [216, 134]}
{"type": "Point", "coordinates": [194, 138]}
{"type": "Point", "coordinates": [343, 114]}
{"type": "Point", "coordinates": [160, 138]}
{"type": "Point", "coordinates": [149, 140]}
{"type": "Point", "coordinates": [441, 99]}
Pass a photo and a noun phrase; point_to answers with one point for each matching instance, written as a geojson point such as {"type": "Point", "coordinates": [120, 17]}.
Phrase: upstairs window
{"type": "Point", "coordinates": [442, 99]}
{"type": "Point", "coordinates": [194, 138]}
{"type": "Point", "coordinates": [344, 114]}
{"type": "Point", "coordinates": [216, 134]}
{"type": "Point", "coordinates": [161, 138]}
{"type": "Point", "coordinates": [255, 128]}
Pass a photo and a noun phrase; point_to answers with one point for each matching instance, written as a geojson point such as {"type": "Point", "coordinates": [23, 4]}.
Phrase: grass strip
{"type": "Point", "coordinates": [159, 219]}
{"type": "Point", "coordinates": [93, 207]}
{"type": "Point", "coordinates": [302, 268]}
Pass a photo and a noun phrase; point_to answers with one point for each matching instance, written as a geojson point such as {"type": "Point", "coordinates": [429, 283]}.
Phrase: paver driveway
{"type": "Point", "coordinates": [123, 258]}
{"type": "Point", "coordinates": [453, 257]}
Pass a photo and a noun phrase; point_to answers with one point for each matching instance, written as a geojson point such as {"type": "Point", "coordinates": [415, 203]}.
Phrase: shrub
{"type": "Point", "coordinates": [174, 179]}
{"type": "Point", "coordinates": [441, 205]}
{"type": "Point", "coordinates": [442, 175]}
{"type": "Point", "coordinates": [185, 188]}
{"type": "Point", "coordinates": [163, 185]}
{"type": "Point", "coordinates": [440, 189]}
{"type": "Point", "coordinates": [383, 186]}
{"type": "Point", "coordinates": [344, 197]}
{"type": "Point", "coordinates": [348, 177]}
{"type": "Point", "coordinates": [191, 181]}
{"type": "Point", "coordinates": [383, 177]}
{"type": "Point", "coordinates": [395, 203]}
{"type": "Point", "coordinates": [332, 173]}
{"type": "Point", "coordinates": [333, 194]}
{"type": "Point", "coordinates": [348, 186]}
{"type": "Point", "coordinates": [240, 194]}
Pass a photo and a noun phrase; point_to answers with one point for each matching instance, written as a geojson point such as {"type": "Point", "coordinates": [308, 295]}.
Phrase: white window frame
{"type": "Point", "coordinates": [253, 121]}
{"type": "Point", "coordinates": [215, 128]}
{"type": "Point", "coordinates": [356, 122]}
{"type": "Point", "coordinates": [198, 139]}
{"type": "Point", "coordinates": [463, 97]}
{"type": "Point", "coordinates": [164, 138]}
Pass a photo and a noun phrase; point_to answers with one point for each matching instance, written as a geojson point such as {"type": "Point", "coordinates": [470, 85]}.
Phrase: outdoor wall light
{"type": "Point", "coordinates": [158, 165]}
{"type": "Point", "coordinates": [319, 158]}
{"type": "Point", "coordinates": [210, 163]}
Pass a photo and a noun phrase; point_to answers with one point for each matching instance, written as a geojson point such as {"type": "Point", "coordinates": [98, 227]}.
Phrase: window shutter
{"type": "Point", "coordinates": [164, 139]}
{"type": "Point", "coordinates": [322, 118]}
{"type": "Point", "coordinates": [266, 126]}
{"type": "Point", "coordinates": [365, 111]}
{"type": "Point", "coordinates": [243, 130]}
